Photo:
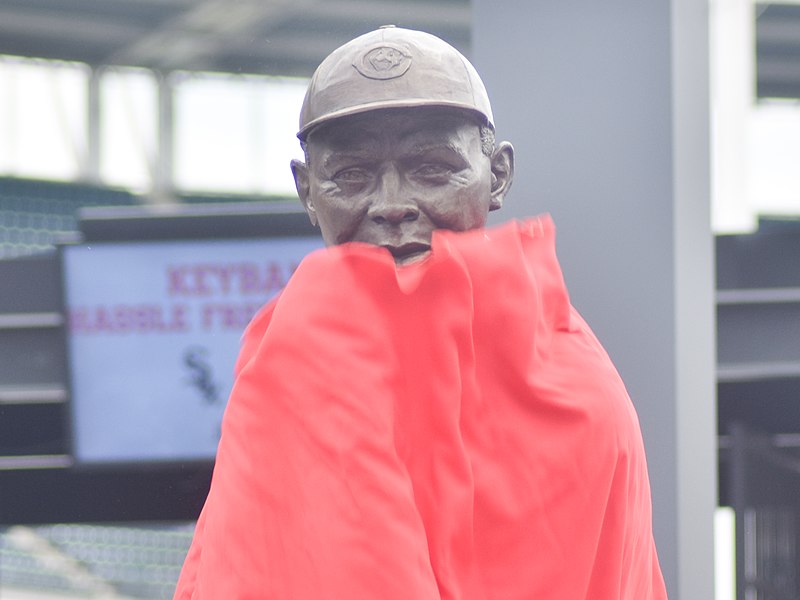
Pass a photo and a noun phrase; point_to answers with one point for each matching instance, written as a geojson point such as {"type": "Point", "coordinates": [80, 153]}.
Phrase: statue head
{"type": "Point", "coordinates": [398, 135]}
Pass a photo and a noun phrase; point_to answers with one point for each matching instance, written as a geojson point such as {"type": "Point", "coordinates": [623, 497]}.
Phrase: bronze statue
{"type": "Point", "coordinates": [399, 139]}
{"type": "Point", "coordinates": [421, 413]}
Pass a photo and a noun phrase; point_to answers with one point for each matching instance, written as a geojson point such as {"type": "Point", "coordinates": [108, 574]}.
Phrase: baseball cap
{"type": "Point", "coordinates": [392, 67]}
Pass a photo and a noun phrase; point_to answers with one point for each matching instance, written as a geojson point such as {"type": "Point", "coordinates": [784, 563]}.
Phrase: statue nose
{"type": "Point", "coordinates": [391, 205]}
{"type": "Point", "coordinates": [393, 213]}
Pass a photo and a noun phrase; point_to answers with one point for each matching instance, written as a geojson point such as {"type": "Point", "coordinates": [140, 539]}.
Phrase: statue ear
{"type": "Point", "coordinates": [301, 182]}
{"type": "Point", "coordinates": [502, 165]}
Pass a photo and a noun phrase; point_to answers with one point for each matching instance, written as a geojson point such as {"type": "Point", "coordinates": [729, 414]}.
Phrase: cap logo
{"type": "Point", "coordinates": [384, 61]}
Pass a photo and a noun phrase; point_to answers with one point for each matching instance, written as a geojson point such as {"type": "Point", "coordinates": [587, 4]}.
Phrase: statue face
{"type": "Point", "coordinates": [390, 177]}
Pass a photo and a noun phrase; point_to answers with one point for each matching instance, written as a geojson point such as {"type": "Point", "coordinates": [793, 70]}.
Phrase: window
{"type": "Point", "coordinates": [128, 128]}
{"type": "Point", "coordinates": [236, 133]}
{"type": "Point", "coordinates": [42, 118]}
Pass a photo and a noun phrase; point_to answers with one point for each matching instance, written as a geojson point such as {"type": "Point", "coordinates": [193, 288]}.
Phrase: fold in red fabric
{"type": "Point", "coordinates": [449, 429]}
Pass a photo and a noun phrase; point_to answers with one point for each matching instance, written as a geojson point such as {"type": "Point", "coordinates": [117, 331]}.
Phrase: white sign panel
{"type": "Point", "coordinates": [154, 332]}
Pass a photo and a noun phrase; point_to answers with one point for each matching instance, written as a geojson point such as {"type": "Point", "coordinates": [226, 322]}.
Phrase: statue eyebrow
{"type": "Point", "coordinates": [336, 158]}
{"type": "Point", "coordinates": [423, 147]}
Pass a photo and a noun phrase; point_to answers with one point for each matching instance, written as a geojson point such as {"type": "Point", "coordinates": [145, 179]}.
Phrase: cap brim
{"type": "Point", "coordinates": [378, 105]}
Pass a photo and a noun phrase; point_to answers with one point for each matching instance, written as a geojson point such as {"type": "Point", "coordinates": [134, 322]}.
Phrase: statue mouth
{"type": "Point", "coordinates": [410, 252]}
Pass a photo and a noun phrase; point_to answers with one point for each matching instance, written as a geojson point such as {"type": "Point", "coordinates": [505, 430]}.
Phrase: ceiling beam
{"type": "Point", "coordinates": [779, 32]}
{"type": "Point", "coordinates": [430, 15]}
{"type": "Point", "coordinates": [779, 71]}
{"type": "Point", "coordinates": [51, 25]}
{"type": "Point", "coordinates": [213, 34]}
{"type": "Point", "coordinates": [202, 30]}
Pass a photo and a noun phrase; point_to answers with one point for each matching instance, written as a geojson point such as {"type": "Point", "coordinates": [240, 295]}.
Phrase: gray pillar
{"type": "Point", "coordinates": [161, 164]}
{"type": "Point", "coordinates": [607, 107]}
{"type": "Point", "coordinates": [91, 166]}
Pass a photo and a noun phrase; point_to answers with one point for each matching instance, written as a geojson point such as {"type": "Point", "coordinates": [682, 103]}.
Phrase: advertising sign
{"type": "Point", "coordinates": [153, 334]}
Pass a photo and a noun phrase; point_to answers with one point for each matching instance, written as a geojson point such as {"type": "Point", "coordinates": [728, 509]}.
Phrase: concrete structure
{"type": "Point", "coordinates": [607, 106]}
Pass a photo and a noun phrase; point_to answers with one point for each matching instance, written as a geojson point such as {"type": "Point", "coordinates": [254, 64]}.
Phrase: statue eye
{"type": "Point", "coordinates": [351, 176]}
{"type": "Point", "coordinates": [433, 171]}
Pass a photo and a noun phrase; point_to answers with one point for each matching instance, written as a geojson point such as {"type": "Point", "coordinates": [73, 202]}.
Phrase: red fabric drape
{"type": "Point", "coordinates": [450, 429]}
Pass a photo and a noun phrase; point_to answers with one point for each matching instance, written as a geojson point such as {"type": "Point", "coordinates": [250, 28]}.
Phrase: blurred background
{"type": "Point", "coordinates": [143, 127]}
